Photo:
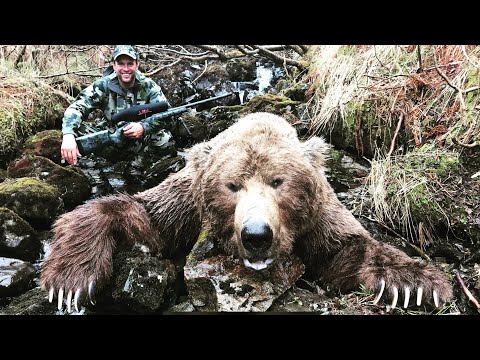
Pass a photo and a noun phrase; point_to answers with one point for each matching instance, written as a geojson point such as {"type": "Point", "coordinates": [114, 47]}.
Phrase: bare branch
{"type": "Point", "coordinates": [466, 291]}
{"type": "Point", "coordinates": [473, 88]}
{"type": "Point", "coordinates": [399, 124]}
{"type": "Point", "coordinates": [376, 57]}
{"type": "Point", "coordinates": [73, 72]}
{"type": "Point", "coordinates": [246, 51]}
{"type": "Point", "coordinates": [278, 59]}
{"type": "Point", "coordinates": [414, 247]}
{"type": "Point", "coordinates": [419, 56]}
{"type": "Point", "coordinates": [468, 57]}
{"type": "Point", "coordinates": [297, 49]}
{"type": "Point", "coordinates": [459, 91]}
{"type": "Point", "coordinates": [471, 145]}
{"type": "Point", "coordinates": [156, 71]}
{"type": "Point", "coordinates": [203, 72]}
{"type": "Point", "coordinates": [305, 48]}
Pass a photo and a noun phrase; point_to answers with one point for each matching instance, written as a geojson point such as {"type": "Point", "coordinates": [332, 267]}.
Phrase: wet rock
{"type": "Point", "coordinates": [241, 69]}
{"type": "Point", "coordinates": [222, 283]}
{"type": "Point", "coordinates": [214, 81]}
{"type": "Point", "coordinates": [143, 283]}
{"type": "Point", "coordinates": [35, 201]}
{"type": "Point", "coordinates": [17, 238]}
{"type": "Point", "coordinates": [176, 82]}
{"type": "Point", "coordinates": [185, 306]}
{"type": "Point", "coordinates": [35, 302]}
{"type": "Point", "coordinates": [343, 172]}
{"type": "Point", "coordinates": [15, 276]}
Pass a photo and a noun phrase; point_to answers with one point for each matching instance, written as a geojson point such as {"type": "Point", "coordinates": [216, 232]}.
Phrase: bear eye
{"type": "Point", "coordinates": [276, 183]}
{"type": "Point", "coordinates": [233, 187]}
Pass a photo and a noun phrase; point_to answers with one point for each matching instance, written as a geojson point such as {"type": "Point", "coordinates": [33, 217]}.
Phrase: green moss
{"type": "Point", "coordinates": [36, 202]}
{"type": "Point", "coordinates": [347, 50]}
{"type": "Point", "coordinates": [201, 249]}
{"type": "Point", "coordinates": [472, 78]}
{"type": "Point", "coordinates": [428, 159]}
{"type": "Point", "coordinates": [8, 128]}
{"type": "Point", "coordinates": [423, 207]}
{"type": "Point", "coordinates": [348, 128]}
{"type": "Point", "coordinates": [42, 136]}
{"type": "Point", "coordinates": [28, 185]}
{"type": "Point", "coordinates": [226, 109]}
{"type": "Point", "coordinates": [269, 103]}
{"type": "Point", "coordinates": [372, 128]}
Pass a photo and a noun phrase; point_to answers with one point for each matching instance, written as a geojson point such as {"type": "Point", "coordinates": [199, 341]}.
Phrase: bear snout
{"type": "Point", "coordinates": [257, 237]}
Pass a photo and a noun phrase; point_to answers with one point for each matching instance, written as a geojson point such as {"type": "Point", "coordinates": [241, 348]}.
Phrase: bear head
{"type": "Point", "coordinates": [258, 187]}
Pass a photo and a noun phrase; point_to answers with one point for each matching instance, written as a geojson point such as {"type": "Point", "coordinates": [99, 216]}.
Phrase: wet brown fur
{"type": "Point", "coordinates": [304, 213]}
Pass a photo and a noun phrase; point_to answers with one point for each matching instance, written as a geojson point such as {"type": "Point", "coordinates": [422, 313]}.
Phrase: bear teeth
{"type": "Point", "coordinates": [259, 265]}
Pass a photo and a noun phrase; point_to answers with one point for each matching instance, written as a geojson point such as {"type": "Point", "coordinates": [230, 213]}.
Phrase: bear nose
{"type": "Point", "coordinates": [257, 236]}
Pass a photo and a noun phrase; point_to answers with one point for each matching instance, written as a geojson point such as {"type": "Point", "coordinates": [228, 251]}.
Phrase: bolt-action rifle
{"type": "Point", "coordinates": [151, 113]}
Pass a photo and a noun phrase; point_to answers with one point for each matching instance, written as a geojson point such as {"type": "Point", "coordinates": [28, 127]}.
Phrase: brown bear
{"type": "Point", "coordinates": [262, 193]}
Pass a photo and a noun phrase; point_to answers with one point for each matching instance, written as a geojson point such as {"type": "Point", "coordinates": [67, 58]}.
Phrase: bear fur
{"type": "Point", "coordinates": [261, 193]}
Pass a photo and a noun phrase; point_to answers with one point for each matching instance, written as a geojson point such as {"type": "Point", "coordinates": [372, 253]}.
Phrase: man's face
{"type": "Point", "coordinates": [125, 67]}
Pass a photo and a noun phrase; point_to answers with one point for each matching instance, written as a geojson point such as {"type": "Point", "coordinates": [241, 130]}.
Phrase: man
{"type": "Point", "coordinates": [115, 92]}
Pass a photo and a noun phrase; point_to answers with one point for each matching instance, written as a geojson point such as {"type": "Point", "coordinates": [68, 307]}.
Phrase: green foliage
{"type": "Point", "coordinates": [412, 189]}
{"type": "Point", "coordinates": [26, 107]}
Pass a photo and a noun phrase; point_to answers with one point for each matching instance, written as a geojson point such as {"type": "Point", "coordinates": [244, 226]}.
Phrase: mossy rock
{"type": "Point", "coordinates": [35, 201]}
{"type": "Point", "coordinates": [72, 184]}
{"type": "Point", "coordinates": [271, 103]}
{"type": "Point", "coordinates": [296, 92]}
{"type": "Point", "coordinates": [45, 143]}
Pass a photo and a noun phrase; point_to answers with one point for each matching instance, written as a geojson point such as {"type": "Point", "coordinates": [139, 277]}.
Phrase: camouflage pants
{"type": "Point", "coordinates": [133, 160]}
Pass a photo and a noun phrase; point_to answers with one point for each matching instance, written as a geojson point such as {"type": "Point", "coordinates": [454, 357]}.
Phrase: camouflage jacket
{"type": "Point", "coordinates": [107, 95]}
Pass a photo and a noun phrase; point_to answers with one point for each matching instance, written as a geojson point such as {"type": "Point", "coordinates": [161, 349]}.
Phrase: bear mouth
{"type": "Point", "coordinates": [258, 265]}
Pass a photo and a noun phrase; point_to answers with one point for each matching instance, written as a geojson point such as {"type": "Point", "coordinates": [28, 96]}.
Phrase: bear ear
{"type": "Point", "coordinates": [316, 150]}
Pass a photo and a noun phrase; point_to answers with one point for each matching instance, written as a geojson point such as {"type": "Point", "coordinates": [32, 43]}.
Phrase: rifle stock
{"type": "Point", "coordinates": [150, 113]}
{"type": "Point", "coordinates": [90, 143]}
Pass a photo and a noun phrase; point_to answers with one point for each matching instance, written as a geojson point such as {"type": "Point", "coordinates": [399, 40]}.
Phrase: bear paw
{"type": "Point", "coordinates": [76, 297]}
{"type": "Point", "coordinates": [421, 282]}
{"type": "Point", "coordinates": [406, 295]}
{"type": "Point", "coordinates": [71, 279]}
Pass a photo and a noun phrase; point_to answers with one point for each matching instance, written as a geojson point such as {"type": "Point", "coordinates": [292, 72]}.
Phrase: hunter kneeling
{"type": "Point", "coordinates": [119, 89]}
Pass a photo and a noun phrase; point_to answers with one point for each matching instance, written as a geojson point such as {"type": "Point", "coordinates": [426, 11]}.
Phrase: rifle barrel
{"type": "Point", "coordinates": [206, 100]}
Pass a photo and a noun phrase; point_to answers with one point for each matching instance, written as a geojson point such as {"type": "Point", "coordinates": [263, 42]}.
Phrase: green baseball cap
{"type": "Point", "coordinates": [124, 50]}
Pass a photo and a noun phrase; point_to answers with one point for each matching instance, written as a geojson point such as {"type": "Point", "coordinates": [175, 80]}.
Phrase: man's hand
{"type": "Point", "coordinates": [69, 149]}
{"type": "Point", "coordinates": [133, 130]}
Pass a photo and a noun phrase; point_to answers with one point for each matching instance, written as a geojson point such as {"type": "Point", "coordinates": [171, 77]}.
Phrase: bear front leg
{"type": "Point", "coordinates": [80, 257]}
{"type": "Point", "coordinates": [387, 271]}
